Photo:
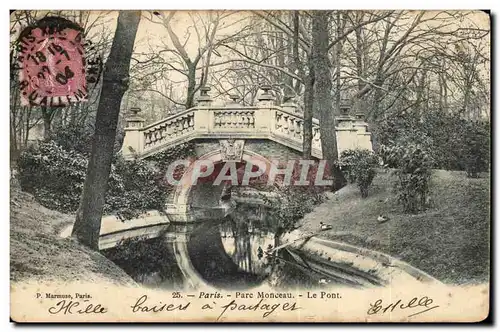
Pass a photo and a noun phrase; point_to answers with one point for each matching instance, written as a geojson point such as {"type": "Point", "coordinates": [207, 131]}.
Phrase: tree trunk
{"type": "Point", "coordinates": [421, 93]}
{"type": "Point", "coordinates": [14, 151]}
{"type": "Point", "coordinates": [191, 86]}
{"type": "Point", "coordinates": [338, 53]}
{"type": "Point", "coordinates": [465, 106]}
{"type": "Point", "coordinates": [441, 93]}
{"type": "Point", "coordinates": [14, 111]}
{"type": "Point", "coordinates": [308, 81]}
{"type": "Point", "coordinates": [323, 97]}
{"type": "Point", "coordinates": [360, 105]}
{"type": "Point", "coordinates": [115, 82]}
{"type": "Point", "coordinates": [375, 114]}
{"type": "Point", "coordinates": [308, 112]}
{"type": "Point", "coordinates": [47, 122]}
{"type": "Point", "coordinates": [297, 64]}
{"type": "Point", "coordinates": [27, 127]}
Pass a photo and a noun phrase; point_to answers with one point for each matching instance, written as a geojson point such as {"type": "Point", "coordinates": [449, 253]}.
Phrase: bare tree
{"type": "Point", "coordinates": [296, 31]}
{"type": "Point", "coordinates": [322, 97]}
{"type": "Point", "coordinates": [178, 56]}
{"type": "Point", "coordinates": [115, 82]}
{"type": "Point", "coordinates": [392, 53]}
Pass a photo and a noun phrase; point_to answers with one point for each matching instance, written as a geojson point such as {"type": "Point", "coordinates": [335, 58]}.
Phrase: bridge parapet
{"type": "Point", "coordinates": [282, 124]}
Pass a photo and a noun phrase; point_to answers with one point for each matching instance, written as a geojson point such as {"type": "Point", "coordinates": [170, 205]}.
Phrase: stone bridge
{"type": "Point", "coordinates": [233, 133]}
{"type": "Point", "coordinates": [265, 131]}
{"type": "Point", "coordinates": [236, 133]}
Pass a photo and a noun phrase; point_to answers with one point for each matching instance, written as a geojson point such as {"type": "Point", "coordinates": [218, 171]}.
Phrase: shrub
{"type": "Point", "coordinates": [134, 186]}
{"type": "Point", "coordinates": [475, 149]}
{"type": "Point", "coordinates": [413, 172]}
{"type": "Point", "coordinates": [55, 176]}
{"type": "Point", "coordinates": [78, 138]}
{"type": "Point", "coordinates": [74, 138]}
{"type": "Point", "coordinates": [359, 166]}
{"type": "Point", "coordinates": [454, 143]}
{"type": "Point", "coordinates": [290, 205]}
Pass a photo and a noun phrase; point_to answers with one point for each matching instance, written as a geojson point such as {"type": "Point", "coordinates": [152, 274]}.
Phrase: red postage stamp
{"type": "Point", "coordinates": [51, 57]}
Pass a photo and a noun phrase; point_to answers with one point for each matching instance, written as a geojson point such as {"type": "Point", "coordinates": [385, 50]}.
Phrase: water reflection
{"type": "Point", "coordinates": [149, 262]}
{"type": "Point", "coordinates": [246, 236]}
{"type": "Point", "coordinates": [230, 252]}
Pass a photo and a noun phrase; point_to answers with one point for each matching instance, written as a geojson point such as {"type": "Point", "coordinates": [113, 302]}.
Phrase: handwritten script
{"type": "Point", "coordinates": [424, 303]}
{"type": "Point", "coordinates": [76, 307]}
{"type": "Point", "coordinates": [143, 304]}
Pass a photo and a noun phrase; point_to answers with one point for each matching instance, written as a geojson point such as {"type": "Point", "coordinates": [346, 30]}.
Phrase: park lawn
{"type": "Point", "coordinates": [37, 253]}
{"type": "Point", "coordinates": [450, 240]}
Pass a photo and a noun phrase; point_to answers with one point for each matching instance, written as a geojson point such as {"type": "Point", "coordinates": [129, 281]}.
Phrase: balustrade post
{"type": "Point", "coordinates": [265, 113]}
{"type": "Point", "coordinates": [234, 100]}
{"type": "Point", "coordinates": [264, 119]}
{"type": "Point", "coordinates": [360, 123]}
{"type": "Point", "coordinates": [346, 132]}
{"type": "Point", "coordinates": [204, 99]}
{"type": "Point", "coordinates": [290, 105]}
{"type": "Point", "coordinates": [202, 119]}
{"type": "Point", "coordinates": [133, 142]}
{"type": "Point", "coordinates": [364, 138]}
{"type": "Point", "coordinates": [266, 99]}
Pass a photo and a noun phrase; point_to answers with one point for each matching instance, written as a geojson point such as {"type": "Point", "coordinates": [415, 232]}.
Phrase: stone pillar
{"type": "Point", "coordinates": [364, 138]}
{"type": "Point", "coordinates": [265, 99]}
{"type": "Point", "coordinates": [290, 105]}
{"type": "Point", "coordinates": [202, 120]}
{"type": "Point", "coordinates": [345, 107]}
{"type": "Point", "coordinates": [234, 100]}
{"type": "Point", "coordinates": [133, 142]}
{"type": "Point", "coordinates": [204, 100]}
{"type": "Point", "coordinates": [346, 133]}
{"type": "Point", "coordinates": [360, 123]}
{"type": "Point", "coordinates": [265, 116]}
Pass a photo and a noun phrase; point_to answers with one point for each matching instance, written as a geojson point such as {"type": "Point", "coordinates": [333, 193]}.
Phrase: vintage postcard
{"type": "Point", "coordinates": [250, 166]}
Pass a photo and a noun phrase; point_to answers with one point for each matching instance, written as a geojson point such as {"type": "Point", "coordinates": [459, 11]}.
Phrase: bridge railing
{"type": "Point", "coordinates": [163, 132]}
{"type": "Point", "coordinates": [290, 125]}
{"type": "Point", "coordinates": [284, 124]}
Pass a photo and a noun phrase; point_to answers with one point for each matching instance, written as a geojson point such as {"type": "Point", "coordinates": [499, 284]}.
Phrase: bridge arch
{"type": "Point", "coordinates": [179, 208]}
{"type": "Point", "coordinates": [277, 129]}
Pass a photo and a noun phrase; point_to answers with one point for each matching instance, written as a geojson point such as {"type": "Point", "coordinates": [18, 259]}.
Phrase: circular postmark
{"type": "Point", "coordinates": [52, 62]}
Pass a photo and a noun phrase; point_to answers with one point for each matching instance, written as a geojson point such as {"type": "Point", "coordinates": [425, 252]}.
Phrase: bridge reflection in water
{"type": "Point", "coordinates": [228, 252]}
{"type": "Point", "coordinates": [246, 245]}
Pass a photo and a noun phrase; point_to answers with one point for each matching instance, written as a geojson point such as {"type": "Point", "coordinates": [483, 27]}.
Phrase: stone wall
{"type": "Point", "coordinates": [266, 148]}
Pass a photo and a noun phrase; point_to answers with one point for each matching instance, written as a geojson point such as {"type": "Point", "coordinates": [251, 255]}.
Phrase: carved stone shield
{"type": "Point", "coordinates": [231, 149]}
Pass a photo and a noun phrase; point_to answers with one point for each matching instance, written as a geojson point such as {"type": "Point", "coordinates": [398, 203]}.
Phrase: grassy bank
{"type": "Point", "coordinates": [450, 240]}
{"type": "Point", "coordinates": [37, 253]}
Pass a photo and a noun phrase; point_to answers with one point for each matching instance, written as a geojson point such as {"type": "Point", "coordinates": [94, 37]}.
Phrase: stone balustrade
{"type": "Point", "coordinates": [165, 131]}
{"type": "Point", "coordinates": [234, 118]}
{"type": "Point", "coordinates": [291, 126]}
{"type": "Point", "coordinates": [284, 124]}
